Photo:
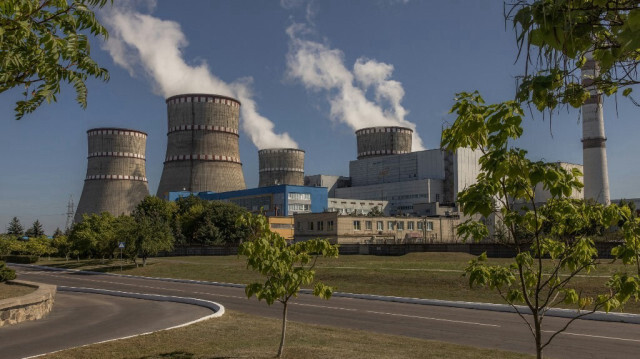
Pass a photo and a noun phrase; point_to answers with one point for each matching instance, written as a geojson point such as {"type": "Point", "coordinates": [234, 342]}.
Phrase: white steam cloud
{"type": "Point", "coordinates": [320, 68]}
{"type": "Point", "coordinates": [142, 41]}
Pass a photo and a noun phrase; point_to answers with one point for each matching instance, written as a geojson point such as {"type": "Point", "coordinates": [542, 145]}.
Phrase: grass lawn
{"type": "Point", "coordinates": [418, 275]}
{"type": "Point", "coordinates": [238, 335]}
{"type": "Point", "coordinates": [14, 290]}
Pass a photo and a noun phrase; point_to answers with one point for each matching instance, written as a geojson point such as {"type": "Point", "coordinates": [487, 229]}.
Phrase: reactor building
{"type": "Point", "coordinates": [116, 177]}
{"type": "Point", "coordinates": [202, 145]}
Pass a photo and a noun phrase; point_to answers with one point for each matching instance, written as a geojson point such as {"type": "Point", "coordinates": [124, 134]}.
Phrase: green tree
{"type": "Point", "coordinates": [63, 246]}
{"type": "Point", "coordinates": [505, 189]}
{"type": "Point", "coordinates": [286, 267]}
{"type": "Point", "coordinates": [40, 246]}
{"type": "Point", "coordinates": [554, 38]}
{"type": "Point", "coordinates": [44, 43]}
{"type": "Point", "coordinates": [58, 232]}
{"type": "Point", "coordinates": [208, 222]}
{"type": "Point", "coordinates": [153, 232]}
{"type": "Point", "coordinates": [15, 228]}
{"type": "Point", "coordinates": [94, 236]}
{"type": "Point", "coordinates": [36, 230]}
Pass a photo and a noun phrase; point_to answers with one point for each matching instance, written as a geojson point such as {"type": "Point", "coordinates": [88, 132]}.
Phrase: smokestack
{"type": "Point", "coordinates": [594, 152]}
{"type": "Point", "coordinates": [116, 178]}
{"type": "Point", "coordinates": [202, 147]}
{"type": "Point", "coordinates": [281, 166]}
{"type": "Point", "coordinates": [383, 141]}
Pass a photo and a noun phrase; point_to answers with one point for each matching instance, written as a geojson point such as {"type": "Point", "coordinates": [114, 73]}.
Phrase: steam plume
{"type": "Point", "coordinates": [142, 41]}
{"type": "Point", "coordinates": [322, 69]}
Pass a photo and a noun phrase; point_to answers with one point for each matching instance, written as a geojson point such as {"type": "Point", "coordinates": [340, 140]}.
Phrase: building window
{"type": "Point", "coordinates": [420, 225]}
{"type": "Point", "coordinates": [300, 196]}
{"type": "Point", "coordinates": [391, 226]}
{"type": "Point", "coordinates": [356, 225]}
{"type": "Point", "coordinates": [320, 226]}
{"type": "Point", "coordinates": [429, 226]}
{"type": "Point", "coordinates": [299, 225]}
{"type": "Point", "coordinates": [410, 226]}
{"type": "Point", "coordinates": [380, 225]}
{"type": "Point", "coordinates": [310, 226]}
{"type": "Point", "coordinates": [401, 226]}
{"type": "Point", "coordinates": [298, 207]}
{"type": "Point", "coordinates": [330, 225]}
{"type": "Point", "coordinates": [368, 225]}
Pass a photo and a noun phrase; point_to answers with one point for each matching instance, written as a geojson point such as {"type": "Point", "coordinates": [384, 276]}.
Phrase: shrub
{"type": "Point", "coordinates": [6, 273]}
{"type": "Point", "coordinates": [22, 259]}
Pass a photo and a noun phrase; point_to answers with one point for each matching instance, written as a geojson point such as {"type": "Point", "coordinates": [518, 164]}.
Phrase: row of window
{"type": "Point", "coordinates": [297, 207]}
{"type": "Point", "coordinates": [394, 225]}
{"type": "Point", "coordinates": [300, 196]}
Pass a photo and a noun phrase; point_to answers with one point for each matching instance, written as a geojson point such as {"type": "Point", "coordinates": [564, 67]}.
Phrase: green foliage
{"type": "Point", "coordinates": [44, 43]}
{"type": "Point", "coordinates": [208, 222]}
{"type": "Point", "coordinates": [562, 229]}
{"type": "Point", "coordinates": [554, 37]}
{"type": "Point", "coordinates": [15, 227]}
{"type": "Point", "coordinates": [20, 258]}
{"type": "Point", "coordinates": [36, 230]}
{"type": "Point", "coordinates": [95, 235]}
{"type": "Point", "coordinates": [152, 232]}
{"type": "Point", "coordinates": [6, 273]}
{"type": "Point", "coordinates": [285, 267]}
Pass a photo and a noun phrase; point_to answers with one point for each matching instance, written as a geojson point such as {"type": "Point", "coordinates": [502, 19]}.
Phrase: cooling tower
{"type": "Point", "coordinates": [281, 166]}
{"type": "Point", "coordinates": [202, 147]}
{"type": "Point", "coordinates": [116, 178]}
{"type": "Point", "coordinates": [382, 141]}
{"type": "Point", "coordinates": [594, 152]}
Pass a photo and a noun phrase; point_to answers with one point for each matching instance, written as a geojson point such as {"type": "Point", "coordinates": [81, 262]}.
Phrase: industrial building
{"type": "Point", "coordinates": [340, 229]}
{"type": "Point", "coordinates": [387, 170]}
{"type": "Point", "coordinates": [357, 206]}
{"type": "Point", "coordinates": [281, 166]}
{"type": "Point", "coordinates": [202, 145]}
{"type": "Point", "coordinates": [116, 178]}
{"type": "Point", "coordinates": [283, 200]}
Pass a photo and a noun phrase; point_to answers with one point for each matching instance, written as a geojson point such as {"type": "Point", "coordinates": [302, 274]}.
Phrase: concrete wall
{"type": "Point", "coordinates": [32, 306]}
{"type": "Point", "coordinates": [331, 182]}
{"type": "Point", "coordinates": [356, 206]}
{"type": "Point", "coordinates": [279, 166]}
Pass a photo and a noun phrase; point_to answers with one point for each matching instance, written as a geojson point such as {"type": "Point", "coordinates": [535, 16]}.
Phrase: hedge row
{"type": "Point", "coordinates": [22, 259]}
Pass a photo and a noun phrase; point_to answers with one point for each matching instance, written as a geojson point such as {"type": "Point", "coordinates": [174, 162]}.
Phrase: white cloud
{"type": "Point", "coordinates": [320, 68]}
{"type": "Point", "coordinates": [142, 42]}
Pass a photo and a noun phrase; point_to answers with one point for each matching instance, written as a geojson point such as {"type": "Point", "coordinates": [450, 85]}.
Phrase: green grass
{"type": "Point", "coordinates": [238, 335]}
{"type": "Point", "coordinates": [417, 275]}
{"type": "Point", "coordinates": [8, 290]}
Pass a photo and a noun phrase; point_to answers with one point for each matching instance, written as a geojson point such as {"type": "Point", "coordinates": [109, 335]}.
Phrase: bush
{"type": "Point", "coordinates": [6, 273]}
{"type": "Point", "coordinates": [22, 259]}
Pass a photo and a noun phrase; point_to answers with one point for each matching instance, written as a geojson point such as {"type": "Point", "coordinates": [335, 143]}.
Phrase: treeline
{"type": "Point", "coordinates": [155, 225]}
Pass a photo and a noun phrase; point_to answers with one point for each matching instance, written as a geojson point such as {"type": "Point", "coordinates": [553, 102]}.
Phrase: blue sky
{"type": "Point", "coordinates": [398, 61]}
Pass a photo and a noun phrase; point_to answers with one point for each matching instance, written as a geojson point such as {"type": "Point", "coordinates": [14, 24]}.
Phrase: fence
{"type": "Point", "coordinates": [493, 250]}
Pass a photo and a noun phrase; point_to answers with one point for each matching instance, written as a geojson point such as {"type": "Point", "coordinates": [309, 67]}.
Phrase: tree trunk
{"type": "Point", "coordinates": [144, 261]}
{"type": "Point", "coordinates": [536, 322]}
{"type": "Point", "coordinates": [284, 329]}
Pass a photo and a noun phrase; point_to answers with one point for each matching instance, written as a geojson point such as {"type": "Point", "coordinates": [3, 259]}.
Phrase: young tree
{"type": "Point", "coordinates": [43, 43]}
{"type": "Point", "coordinates": [95, 235]}
{"type": "Point", "coordinates": [561, 229]}
{"type": "Point", "coordinates": [556, 36]}
{"type": "Point", "coordinates": [15, 228]}
{"type": "Point", "coordinates": [153, 232]}
{"type": "Point", "coordinates": [286, 267]}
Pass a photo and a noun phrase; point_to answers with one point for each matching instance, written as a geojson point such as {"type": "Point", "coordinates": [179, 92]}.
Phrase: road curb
{"type": "Point", "coordinates": [553, 312]}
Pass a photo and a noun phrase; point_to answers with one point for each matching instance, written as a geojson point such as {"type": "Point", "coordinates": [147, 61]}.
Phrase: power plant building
{"type": "Point", "coordinates": [280, 166]}
{"type": "Point", "coordinates": [116, 176]}
{"type": "Point", "coordinates": [282, 200]}
{"type": "Point", "coordinates": [202, 145]}
{"type": "Point", "coordinates": [386, 170]}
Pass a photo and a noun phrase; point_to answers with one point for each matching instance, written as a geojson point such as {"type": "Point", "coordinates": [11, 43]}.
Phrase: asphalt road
{"type": "Point", "coordinates": [584, 339]}
{"type": "Point", "coordinates": [79, 319]}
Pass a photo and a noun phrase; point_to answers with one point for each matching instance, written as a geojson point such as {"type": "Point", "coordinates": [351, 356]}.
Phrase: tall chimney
{"type": "Point", "coordinates": [594, 152]}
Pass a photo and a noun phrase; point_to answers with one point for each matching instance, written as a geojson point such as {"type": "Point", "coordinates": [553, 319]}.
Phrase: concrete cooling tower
{"type": "Point", "coordinates": [281, 166]}
{"type": "Point", "coordinates": [116, 178]}
{"type": "Point", "coordinates": [382, 141]}
{"type": "Point", "coordinates": [202, 147]}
